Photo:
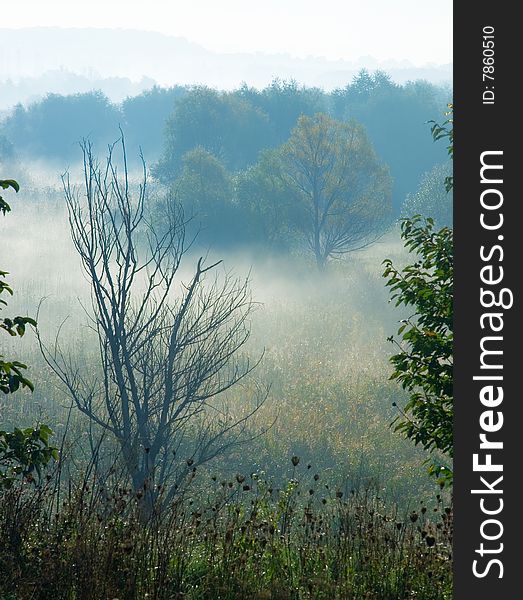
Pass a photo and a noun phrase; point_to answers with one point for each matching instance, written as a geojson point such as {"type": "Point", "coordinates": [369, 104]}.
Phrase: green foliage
{"type": "Point", "coordinates": [234, 126]}
{"type": "Point", "coordinates": [6, 184]}
{"type": "Point", "coordinates": [433, 198]}
{"type": "Point", "coordinates": [23, 450]}
{"type": "Point", "coordinates": [337, 183]}
{"type": "Point", "coordinates": [224, 124]}
{"type": "Point", "coordinates": [284, 102]}
{"type": "Point", "coordinates": [395, 117]}
{"type": "Point", "coordinates": [204, 186]}
{"type": "Point", "coordinates": [424, 363]}
{"type": "Point", "coordinates": [324, 190]}
{"type": "Point", "coordinates": [271, 216]}
{"type": "Point", "coordinates": [446, 131]}
{"type": "Point", "coordinates": [11, 376]}
{"type": "Point", "coordinates": [144, 118]}
{"type": "Point", "coordinates": [53, 126]}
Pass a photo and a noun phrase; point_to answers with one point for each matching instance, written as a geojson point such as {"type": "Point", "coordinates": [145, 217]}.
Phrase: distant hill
{"type": "Point", "coordinates": [34, 61]}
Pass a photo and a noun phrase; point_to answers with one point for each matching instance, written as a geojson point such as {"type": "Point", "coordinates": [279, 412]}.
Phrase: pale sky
{"type": "Point", "coordinates": [416, 30]}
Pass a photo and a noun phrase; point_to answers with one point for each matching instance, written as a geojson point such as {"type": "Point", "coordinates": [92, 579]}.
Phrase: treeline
{"type": "Point", "coordinates": [236, 125]}
{"type": "Point", "coordinates": [52, 128]}
{"type": "Point", "coordinates": [242, 165]}
{"type": "Point", "coordinates": [324, 191]}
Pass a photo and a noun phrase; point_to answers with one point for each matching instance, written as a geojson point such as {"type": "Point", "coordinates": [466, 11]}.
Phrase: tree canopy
{"type": "Point", "coordinates": [235, 126]}
{"type": "Point", "coordinates": [224, 124]}
{"type": "Point", "coordinates": [337, 181]}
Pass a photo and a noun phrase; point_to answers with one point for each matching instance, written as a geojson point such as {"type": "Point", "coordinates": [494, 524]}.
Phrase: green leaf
{"type": "Point", "coordinates": [7, 183]}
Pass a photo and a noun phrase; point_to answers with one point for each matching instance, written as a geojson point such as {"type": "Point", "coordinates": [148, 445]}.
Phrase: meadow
{"type": "Point", "coordinates": [325, 501]}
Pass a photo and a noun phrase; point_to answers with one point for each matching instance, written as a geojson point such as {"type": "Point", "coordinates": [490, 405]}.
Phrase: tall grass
{"type": "Point", "coordinates": [240, 539]}
{"type": "Point", "coordinates": [355, 525]}
{"type": "Point", "coordinates": [324, 344]}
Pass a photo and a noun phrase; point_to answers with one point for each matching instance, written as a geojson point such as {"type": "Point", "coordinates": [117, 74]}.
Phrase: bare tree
{"type": "Point", "coordinates": [168, 351]}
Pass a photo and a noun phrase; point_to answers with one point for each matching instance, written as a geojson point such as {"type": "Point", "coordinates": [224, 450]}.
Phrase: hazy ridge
{"type": "Point", "coordinates": [35, 61]}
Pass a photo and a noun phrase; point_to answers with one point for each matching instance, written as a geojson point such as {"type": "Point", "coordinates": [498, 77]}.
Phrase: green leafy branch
{"type": "Point", "coordinates": [22, 451]}
{"type": "Point", "coordinates": [6, 184]}
{"type": "Point", "coordinates": [442, 131]}
{"type": "Point", "coordinates": [423, 366]}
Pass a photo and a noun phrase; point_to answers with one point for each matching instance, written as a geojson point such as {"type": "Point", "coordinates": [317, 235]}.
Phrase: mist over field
{"type": "Point", "coordinates": [329, 329]}
{"type": "Point", "coordinates": [203, 243]}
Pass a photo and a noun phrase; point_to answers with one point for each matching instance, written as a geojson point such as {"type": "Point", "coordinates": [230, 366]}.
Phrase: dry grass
{"type": "Point", "coordinates": [241, 539]}
{"type": "Point", "coordinates": [280, 535]}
